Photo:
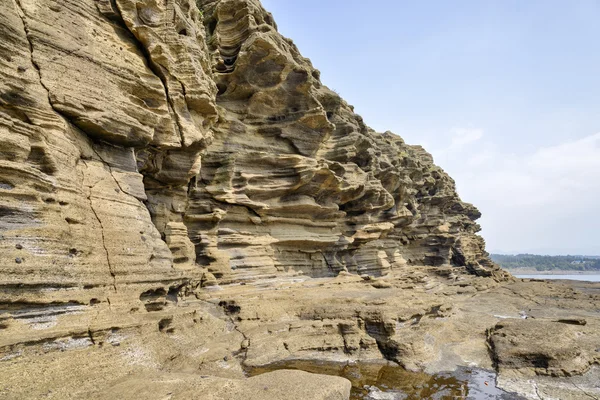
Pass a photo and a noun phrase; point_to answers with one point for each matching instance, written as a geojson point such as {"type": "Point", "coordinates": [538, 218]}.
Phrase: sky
{"type": "Point", "coordinates": [505, 94]}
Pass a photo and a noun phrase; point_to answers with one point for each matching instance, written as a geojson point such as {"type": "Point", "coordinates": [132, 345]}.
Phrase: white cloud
{"type": "Point", "coordinates": [545, 199]}
{"type": "Point", "coordinates": [464, 136]}
{"type": "Point", "coordinates": [580, 155]}
{"type": "Point", "coordinates": [459, 141]}
{"type": "Point", "coordinates": [483, 157]}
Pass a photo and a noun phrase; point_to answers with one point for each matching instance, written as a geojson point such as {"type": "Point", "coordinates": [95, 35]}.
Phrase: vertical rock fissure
{"type": "Point", "coordinates": [491, 348]}
{"type": "Point", "coordinates": [583, 391]}
{"type": "Point", "coordinates": [152, 66]}
{"type": "Point", "coordinates": [106, 252]}
{"type": "Point", "coordinates": [537, 392]}
{"type": "Point", "coordinates": [110, 170]}
{"type": "Point", "coordinates": [21, 14]}
{"type": "Point", "coordinates": [243, 346]}
{"type": "Point", "coordinates": [329, 266]}
{"type": "Point", "coordinates": [115, 179]}
{"type": "Point", "coordinates": [158, 72]}
{"type": "Point", "coordinates": [110, 267]}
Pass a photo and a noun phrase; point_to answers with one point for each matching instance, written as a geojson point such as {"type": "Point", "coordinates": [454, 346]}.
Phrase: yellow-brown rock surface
{"type": "Point", "coordinates": [179, 193]}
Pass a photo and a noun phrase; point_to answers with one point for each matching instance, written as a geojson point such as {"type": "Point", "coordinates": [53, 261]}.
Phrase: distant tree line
{"type": "Point", "coordinates": [547, 263]}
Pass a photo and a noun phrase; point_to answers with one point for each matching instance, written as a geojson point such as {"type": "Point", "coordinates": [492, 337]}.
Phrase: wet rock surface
{"type": "Point", "coordinates": [180, 194]}
{"type": "Point", "coordinates": [378, 381]}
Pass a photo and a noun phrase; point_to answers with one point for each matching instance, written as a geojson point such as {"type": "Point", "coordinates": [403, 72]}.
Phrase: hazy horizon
{"type": "Point", "coordinates": [504, 94]}
{"type": "Point", "coordinates": [509, 253]}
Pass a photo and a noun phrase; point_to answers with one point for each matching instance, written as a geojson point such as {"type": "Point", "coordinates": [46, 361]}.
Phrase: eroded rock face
{"type": "Point", "coordinates": [161, 143]}
{"type": "Point", "coordinates": [154, 152]}
{"type": "Point", "coordinates": [76, 92]}
{"type": "Point", "coordinates": [294, 180]}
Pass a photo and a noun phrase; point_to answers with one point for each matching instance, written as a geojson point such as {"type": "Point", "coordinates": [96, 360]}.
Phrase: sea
{"type": "Point", "coordinates": [574, 277]}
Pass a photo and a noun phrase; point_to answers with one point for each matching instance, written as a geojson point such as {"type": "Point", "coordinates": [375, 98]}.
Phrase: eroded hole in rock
{"type": "Point", "coordinates": [457, 258]}
{"type": "Point", "coordinates": [277, 118]}
{"type": "Point", "coordinates": [573, 321]}
{"type": "Point", "coordinates": [211, 26]}
{"type": "Point", "coordinates": [154, 299]}
{"type": "Point", "coordinates": [539, 360]}
{"type": "Point", "coordinates": [221, 68]}
{"type": "Point", "coordinates": [173, 293]}
{"type": "Point", "coordinates": [204, 259]}
{"type": "Point", "coordinates": [40, 158]}
{"type": "Point", "coordinates": [297, 77]}
{"type": "Point", "coordinates": [229, 61]}
{"type": "Point", "coordinates": [152, 293]}
{"type": "Point", "coordinates": [221, 89]}
{"type": "Point", "coordinates": [230, 307]}
{"type": "Point", "coordinates": [434, 312]}
{"type": "Point", "coordinates": [388, 349]}
{"type": "Point", "coordinates": [15, 98]}
{"type": "Point", "coordinates": [435, 261]}
{"type": "Point", "coordinates": [182, 32]}
{"type": "Point", "coordinates": [164, 324]}
{"type": "Point", "coordinates": [6, 211]}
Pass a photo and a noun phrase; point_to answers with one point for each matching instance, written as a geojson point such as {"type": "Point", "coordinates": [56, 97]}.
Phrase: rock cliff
{"type": "Point", "coordinates": [146, 144]}
{"type": "Point", "coordinates": [153, 152]}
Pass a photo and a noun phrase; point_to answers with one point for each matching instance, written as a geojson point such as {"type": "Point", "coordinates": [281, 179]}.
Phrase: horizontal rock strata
{"type": "Point", "coordinates": [161, 161]}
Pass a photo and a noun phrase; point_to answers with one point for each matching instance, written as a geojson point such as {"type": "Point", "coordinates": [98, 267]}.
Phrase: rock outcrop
{"type": "Point", "coordinates": [111, 107]}
{"type": "Point", "coordinates": [154, 152]}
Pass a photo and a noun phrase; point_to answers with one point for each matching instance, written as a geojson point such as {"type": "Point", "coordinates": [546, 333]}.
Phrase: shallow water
{"type": "Point", "coordinates": [391, 382]}
{"type": "Point", "coordinates": [575, 277]}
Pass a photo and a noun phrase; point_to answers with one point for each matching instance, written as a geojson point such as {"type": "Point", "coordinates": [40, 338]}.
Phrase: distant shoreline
{"type": "Point", "coordinates": [552, 272]}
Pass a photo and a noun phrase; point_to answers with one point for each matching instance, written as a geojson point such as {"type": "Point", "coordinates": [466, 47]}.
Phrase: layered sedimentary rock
{"type": "Point", "coordinates": [294, 180]}
{"type": "Point", "coordinates": [153, 152]}
{"type": "Point", "coordinates": [153, 143]}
